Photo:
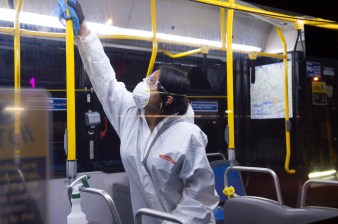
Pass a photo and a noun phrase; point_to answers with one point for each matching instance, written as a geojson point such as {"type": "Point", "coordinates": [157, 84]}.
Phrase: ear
{"type": "Point", "coordinates": [169, 100]}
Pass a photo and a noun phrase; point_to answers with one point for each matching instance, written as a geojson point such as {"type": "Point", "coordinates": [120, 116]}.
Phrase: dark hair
{"type": "Point", "coordinates": [176, 84]}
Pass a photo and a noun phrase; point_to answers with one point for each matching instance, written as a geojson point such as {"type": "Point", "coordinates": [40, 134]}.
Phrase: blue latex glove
{"type": "Point", "coordinates": [60, 11]}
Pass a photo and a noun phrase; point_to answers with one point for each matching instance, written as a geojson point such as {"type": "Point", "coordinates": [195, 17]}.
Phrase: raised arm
{"type": "Point", "coordinates": [113, 95]}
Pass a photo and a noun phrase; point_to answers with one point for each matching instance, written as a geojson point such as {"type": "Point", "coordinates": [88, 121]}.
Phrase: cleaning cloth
{"type": "Point", "coordinates": [60, 11]}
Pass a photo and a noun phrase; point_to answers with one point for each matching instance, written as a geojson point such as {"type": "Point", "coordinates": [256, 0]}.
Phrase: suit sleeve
{"type": "Point", "coordinates": [113, 95]}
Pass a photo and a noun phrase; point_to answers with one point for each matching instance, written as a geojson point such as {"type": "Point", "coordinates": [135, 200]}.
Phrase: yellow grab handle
{"type": "Point", "coordinates": [286, 102]}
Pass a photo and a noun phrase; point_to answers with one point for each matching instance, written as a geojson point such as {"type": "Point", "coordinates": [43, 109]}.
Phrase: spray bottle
{"type": "Point", "coordinates": [76, 216]}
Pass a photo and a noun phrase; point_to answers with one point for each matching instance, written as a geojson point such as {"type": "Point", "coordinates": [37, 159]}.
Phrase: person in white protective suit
{"type": "Point", "coordinates": [162, 151]}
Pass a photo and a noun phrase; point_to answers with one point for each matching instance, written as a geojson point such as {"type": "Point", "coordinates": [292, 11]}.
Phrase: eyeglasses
{"type": "Point", "coordinates": [152, 81]}
{"type": "Point", "coordinates": [155, 85]}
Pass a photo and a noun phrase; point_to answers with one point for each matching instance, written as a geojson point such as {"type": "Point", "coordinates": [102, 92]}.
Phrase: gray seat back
{"type": "Point", "coordinates": [256, 210]}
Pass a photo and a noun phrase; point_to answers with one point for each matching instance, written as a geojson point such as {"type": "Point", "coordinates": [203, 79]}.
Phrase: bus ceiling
{"type": "Point", "coordinates": [194, 23]}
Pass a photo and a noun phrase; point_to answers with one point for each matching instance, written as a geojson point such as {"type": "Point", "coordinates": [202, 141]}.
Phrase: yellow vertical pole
{"type": "Point", "coordinates": [17, 61]}
{"type": "Point", "coordinates": [154, 30]}
{"type": "Point", "coordinates": [286, 102]}
{"type": "Point", "coordinates": [230, 85]}
{"type": "Point", "coordinates": [70, 79]}
{"type": "Point", "coordinates": [17, 82]}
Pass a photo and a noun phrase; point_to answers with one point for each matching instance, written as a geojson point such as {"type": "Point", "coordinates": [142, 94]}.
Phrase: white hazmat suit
{"type": "Point", "coordinates": [167, 168]}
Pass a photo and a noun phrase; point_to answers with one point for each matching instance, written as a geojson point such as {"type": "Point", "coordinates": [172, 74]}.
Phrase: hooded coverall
{"type": "Point", "coordinates": [167, 168]}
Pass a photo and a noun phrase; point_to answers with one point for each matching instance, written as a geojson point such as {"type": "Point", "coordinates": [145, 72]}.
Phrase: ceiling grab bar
{"type": "Point", "coordinates": [295, 19]}
{"type": "Point", "coordinates": [70, 85]}
{"type": "Point", "coordinates": [328, 24]}
{"type": "Point", "coordinates": [286, 103]}
{"type": "Point", "coordinates": [313, 22]}
{"type": "Point", "coordinates": [187, 53]}
{"type": "Point", "coordinates": [154, 30]}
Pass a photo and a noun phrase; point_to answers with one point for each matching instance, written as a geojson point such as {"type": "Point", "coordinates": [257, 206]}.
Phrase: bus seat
{"type": "Point", "coordinates": [122, 198]}
{"type": "Point", "coordinates": [235, 180]}
{"type": "Point", "coordinates": [257, 210]}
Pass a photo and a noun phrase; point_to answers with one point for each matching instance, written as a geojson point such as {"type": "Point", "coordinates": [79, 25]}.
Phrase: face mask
{"type": "Point", "coordinates": [141, 95]}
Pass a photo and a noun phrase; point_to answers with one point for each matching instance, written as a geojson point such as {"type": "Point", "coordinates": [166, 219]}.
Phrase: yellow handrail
{"type": "Point", "coordinates": [263, 54]}
{"type": "Point", "coordinates": [17, 83]}
{"type": "Point", "coordinates": [17, 49]}
{"type": "Point", "coordinates": [184, 54]}
{"type": "Point", "coordinates": [32, 33]}
{"type": "Point", "coordinates": [124, 37]}
{"type": "Point", "coordinates": [286, 102]}
{"type": "Point", "coordinates": [154, 29]}
{"type": "Point", "coordinates": [131, 37]}
{"type": "Point", "coordinates": [313, 22]}
{"type": "Point", "coordinates": [7, 30]}
{"type": "Point", "coordinates": [70, 79]}
{"type": "Point", "coordinates": [230, 84]}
